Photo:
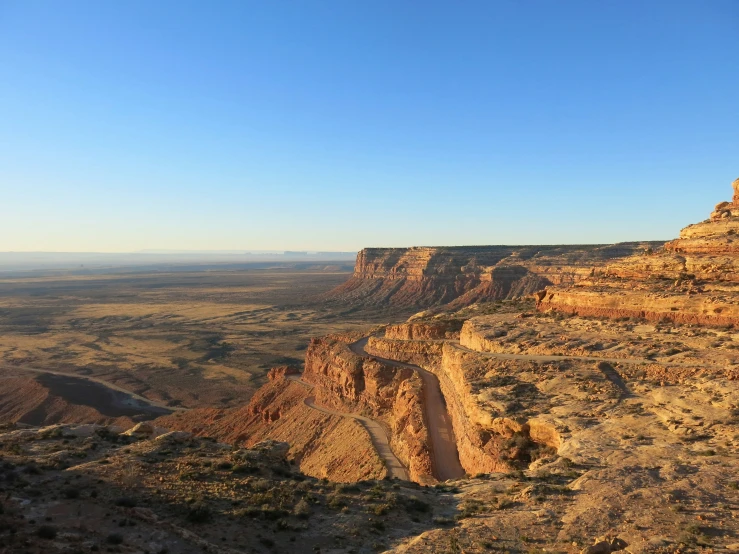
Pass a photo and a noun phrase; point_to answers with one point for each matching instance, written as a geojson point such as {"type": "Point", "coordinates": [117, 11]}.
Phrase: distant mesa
{"type": "Point", "coordinates": [422, 277]}
{"type": "Point", "coordinates": [692, 279]}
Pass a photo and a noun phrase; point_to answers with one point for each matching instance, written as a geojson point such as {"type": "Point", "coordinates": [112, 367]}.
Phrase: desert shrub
{"type": "Point", "coordinates": [273, 514]}
{"type": "Point", "coordinates": [302, 509]}
{"type": "Point", "coordinates": [336, 501]}
{"type": "Point", "coordinates": [413, 504]}
{"type": "Point", "coordinates": [114, 538]}
{"type": "Point", "coordinates": [199, 513]}
{"type": "Point", "coordinates": [245, 468]}
{"type": "Point", "coordinates": [378, 525]}
{"type": "Point", "coordinates": [47, 532]}
{"type": "Point", "coordinates": [250, 511]}
{"type": "Point", "coordinates": [346, 487]}
{"type": "Point", "coordinates": [380, 509]}
{"type": "Point", "coordinates": [260, 485]}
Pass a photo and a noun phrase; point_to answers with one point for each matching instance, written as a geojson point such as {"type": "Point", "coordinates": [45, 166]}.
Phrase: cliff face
{"type": "Point", "coordinates": [347, 382]}
{"type": "Point", "coordinates": [703, 264]}
{"type": "Point", "coordinates": [322, 445]}
{"type": "Point", "coordinates": [430, 276]}
{"type": "Point", "coordinates": [488, 438]}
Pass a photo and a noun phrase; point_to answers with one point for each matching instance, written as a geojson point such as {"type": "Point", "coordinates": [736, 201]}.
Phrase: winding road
{"type": "Point", "coordinates": [120, 398]}
{"type": "Point", "coordinates": [378, 436]}
{"type": "Point", "coordinates": [445, 456]}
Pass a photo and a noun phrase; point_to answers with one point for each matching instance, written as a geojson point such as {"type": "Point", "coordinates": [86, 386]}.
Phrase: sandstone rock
{"type": "Point", "coordinates": [81, 430]}
{"type": "Point", "coordinates": [144, 429]}
{"type": "Point", "coordinates": [174, 436]}
{"type": "Point", "coordinates": [271, 449]}
{"type": "Point", "coordinates": [282, 371]}
{"type": "Point", "coordinates": [602, 547]}
{"type": "Point", "coordinates": [618, 544]}
{"type": "Point", "coordinates": [459, 276]}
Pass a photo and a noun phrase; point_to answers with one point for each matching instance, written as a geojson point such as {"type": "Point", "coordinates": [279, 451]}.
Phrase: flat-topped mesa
{"type": "Point", "coordinates": [693, 279]}
{"type": "Point", "coordinates": [422, 277]}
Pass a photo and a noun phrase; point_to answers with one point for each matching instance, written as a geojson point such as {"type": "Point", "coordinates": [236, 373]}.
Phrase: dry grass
{"type": "Point", "coordinates": [200, 338]}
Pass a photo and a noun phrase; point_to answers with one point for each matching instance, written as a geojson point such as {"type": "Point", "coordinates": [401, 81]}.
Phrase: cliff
{"type": "Point", "coordinates": [693, 279]}
{"type": "Point", "coordinates": [321, 445]}
{"type": "Point", "coordinates": [490, 435]}
{"type": "Point", "coordinates": [391, 395]}
{"type": "Point", "coordinates": [421, 277]}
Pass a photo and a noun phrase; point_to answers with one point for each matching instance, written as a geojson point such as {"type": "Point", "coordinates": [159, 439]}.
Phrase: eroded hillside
{"type": "Point", "coordinates": [421, 277]}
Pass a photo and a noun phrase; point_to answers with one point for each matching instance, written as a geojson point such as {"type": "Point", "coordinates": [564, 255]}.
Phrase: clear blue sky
{"type": "Point", "coordinates": [349, 123]}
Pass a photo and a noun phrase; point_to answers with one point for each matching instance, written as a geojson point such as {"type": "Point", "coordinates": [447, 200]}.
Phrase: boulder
{"type": "Point", "coordinates": [145, 430]}
{"type": "Point", "coordinates": [602, 547]}
{"type": "Point", "coordinates": [174, 437]}
{"type": "Point", "coordinates": [273, 449]}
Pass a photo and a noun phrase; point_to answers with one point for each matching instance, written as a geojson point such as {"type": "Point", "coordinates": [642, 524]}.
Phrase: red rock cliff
{"type": "Point", "coordinates": [429, 276]}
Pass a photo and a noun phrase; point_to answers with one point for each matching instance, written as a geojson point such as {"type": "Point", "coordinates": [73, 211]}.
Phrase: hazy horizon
{"type": "Point", "coordinates": [137, 126]}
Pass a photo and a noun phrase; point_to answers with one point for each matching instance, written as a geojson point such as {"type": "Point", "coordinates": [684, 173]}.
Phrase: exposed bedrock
{"type": "Point", "coordinates": [719, 309]}
{"type": "Point", "coordinates": [433, 276]}
{"type": "Point", "coordinates": [322, 445]}
{"type": "Point", "coordinates": [394, 396]}
{"type": "Point", "coordinates": [428, 330]}
{"type": "Point", "coordinates": [702, 264]}
{"type": "Point", "coordinates": [488, 440]}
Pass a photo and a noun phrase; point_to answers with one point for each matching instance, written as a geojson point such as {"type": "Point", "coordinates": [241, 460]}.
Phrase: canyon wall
{"type": "Point", "coordinates": [693, 279]}
{"type": "Point", "coordinates": [433, 276]}
{"type": "Point", "coordinates": [488, 439]}
{"type": "Point", "coordinates": [393, 396]}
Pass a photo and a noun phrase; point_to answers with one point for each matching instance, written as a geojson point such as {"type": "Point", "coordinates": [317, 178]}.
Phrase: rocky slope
{"type": "Point", "coordinates": [38, 401]}
{"type": "Point", "coordinates": [321, 445]}
{"type": "Point", "coordinates": [433, 276]}
{"type": "Point", "coordinates": [693, 279]}
{"type": "Point", "coordinates": [89, 488]}
{"type": "Point", "coordinates": [394, 396]}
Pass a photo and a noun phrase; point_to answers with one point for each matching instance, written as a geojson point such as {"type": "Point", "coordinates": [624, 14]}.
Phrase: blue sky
{"type": "Point", "coordinates": [335, 125]}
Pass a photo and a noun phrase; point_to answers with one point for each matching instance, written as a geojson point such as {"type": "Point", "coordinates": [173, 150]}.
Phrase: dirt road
{"type": "Point", "coordinates": [443, 444]}
{"type": "Point", "coordinates": [108, 398]}
{"type": "Point", "coordinates": [378, 436]}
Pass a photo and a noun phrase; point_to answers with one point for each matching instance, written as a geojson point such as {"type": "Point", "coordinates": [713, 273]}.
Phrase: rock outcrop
{"type": "Point", "coordinates": [348, 382]}
{"type": "Point", "coordinates": [488, 440]}
{"type": "Point", "coordinates": [432, 276]}
{"type": "Point", "coordinates": [693, 279]}
{"type": "Point", "coordinates": [322, 445]}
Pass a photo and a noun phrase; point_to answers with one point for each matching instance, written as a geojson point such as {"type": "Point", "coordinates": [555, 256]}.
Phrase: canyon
{"type": "Point", "coordinates": [541, 399]}
{"type": "Point", "coordinates": [591, 417]}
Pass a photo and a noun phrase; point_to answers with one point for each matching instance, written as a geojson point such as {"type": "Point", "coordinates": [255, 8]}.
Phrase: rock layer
{"type": "Point", "coordinates": [693, 279]}
{"type": "Point", "coordinates": [394, 396]}
{"type": "Point", "coordinates": [433, 276]}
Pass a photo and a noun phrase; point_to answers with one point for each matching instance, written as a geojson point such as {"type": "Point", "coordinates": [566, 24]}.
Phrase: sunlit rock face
{"type": "Point", "coordinates": [422, 277]}
{"type": "Point", "coordinates": [692, 279]}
